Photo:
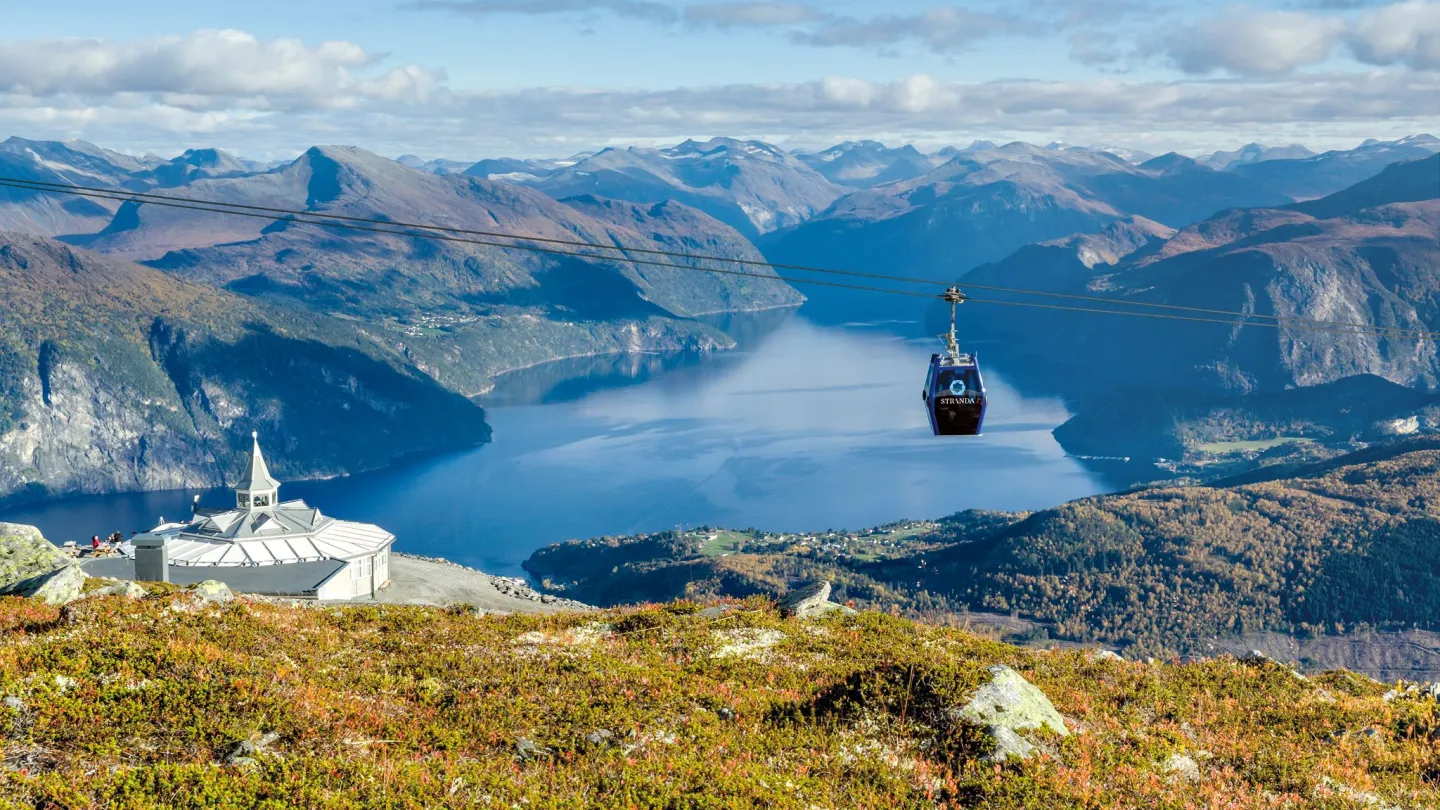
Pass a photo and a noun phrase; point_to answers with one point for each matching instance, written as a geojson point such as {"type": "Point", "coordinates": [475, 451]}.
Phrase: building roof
{"type": "Point", "coordinates": [271, 580]}
{"type": "Point", "coordinates": [273, 534]}
{"type": "Point", "coordinates": [291, 517]}
{"type": "Point", "coordinates": [257, 475]}
{"type": "Point", "coordinates": [334, 540]}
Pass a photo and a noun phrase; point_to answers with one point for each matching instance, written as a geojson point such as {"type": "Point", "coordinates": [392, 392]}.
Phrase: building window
{"type": "Point", "coordinates": [244, 501]}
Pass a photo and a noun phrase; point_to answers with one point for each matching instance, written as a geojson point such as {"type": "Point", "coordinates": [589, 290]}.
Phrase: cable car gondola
{"type": "Point", "coordinates": [954, 391]}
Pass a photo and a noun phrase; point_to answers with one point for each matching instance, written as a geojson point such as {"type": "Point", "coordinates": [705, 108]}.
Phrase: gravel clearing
{"type": "Point", "coordinates": [418, 580]}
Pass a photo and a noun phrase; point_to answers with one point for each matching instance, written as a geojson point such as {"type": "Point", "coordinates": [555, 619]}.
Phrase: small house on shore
{"type": "Point", "coordinates": [261, 545]}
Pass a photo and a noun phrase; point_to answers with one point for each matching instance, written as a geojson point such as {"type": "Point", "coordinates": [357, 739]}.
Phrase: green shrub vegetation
{"type": "Point", "coordinates": [134, 704]}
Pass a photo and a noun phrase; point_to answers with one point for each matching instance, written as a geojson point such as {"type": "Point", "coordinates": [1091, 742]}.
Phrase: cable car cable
{"type": "Point", "coordinates": [309, 218]}
{"type": "Point", "coordinates": [161, 199]}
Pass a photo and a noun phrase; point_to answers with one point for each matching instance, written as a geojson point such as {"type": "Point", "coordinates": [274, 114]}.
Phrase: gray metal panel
{"type": "Point", "coordinates": [296, 579]}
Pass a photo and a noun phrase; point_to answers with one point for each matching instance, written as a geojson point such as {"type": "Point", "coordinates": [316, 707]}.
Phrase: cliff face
{"type": "Point", "coordinates": [97, 434]}
{"type": "Point", "coordinates": [116, 377]}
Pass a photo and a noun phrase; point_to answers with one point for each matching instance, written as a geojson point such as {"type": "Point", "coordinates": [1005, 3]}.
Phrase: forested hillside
{"type": "Point", "coordinates": [1352, 541]}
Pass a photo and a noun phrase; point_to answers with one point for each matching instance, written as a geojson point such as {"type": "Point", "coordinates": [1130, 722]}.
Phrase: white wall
{"type": "Point", "coordinates": [359, 578]}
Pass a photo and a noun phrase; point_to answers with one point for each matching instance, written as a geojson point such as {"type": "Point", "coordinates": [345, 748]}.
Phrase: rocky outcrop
{"type": "Point", "coordinates": [58, 587]}
{"type": "Point", "coordinates": [811, 601]}
{"type": "Point", "coordinates": [807, 601]}
{"type": "Point", "coordinates": [1007, 706]}
{"type": "Point", "coordinates": [25, 553]}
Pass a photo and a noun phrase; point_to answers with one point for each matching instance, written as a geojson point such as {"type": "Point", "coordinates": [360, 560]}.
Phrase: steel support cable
{"type": "Point", "coordinates": [428, 232]}
{"type": "Point", "coordinates": [133, 196]}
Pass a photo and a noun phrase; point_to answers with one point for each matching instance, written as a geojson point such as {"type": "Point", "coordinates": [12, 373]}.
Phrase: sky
{"type": "Point", "coordinates": [469, 79]}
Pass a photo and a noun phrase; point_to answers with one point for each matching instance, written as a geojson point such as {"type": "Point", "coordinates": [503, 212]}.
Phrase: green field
{"type": "Point", "coordinates": [1257, 444]}
{"type": "Point", "coordinates": [724, 543]}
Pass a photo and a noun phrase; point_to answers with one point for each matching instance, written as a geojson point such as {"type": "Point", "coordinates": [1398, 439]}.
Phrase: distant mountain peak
{"type": "Point", "coordinates": [1171, 162]}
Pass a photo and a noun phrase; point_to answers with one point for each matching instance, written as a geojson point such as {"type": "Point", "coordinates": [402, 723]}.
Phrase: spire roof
{"type": "Point", "coordinates": [256, 477]}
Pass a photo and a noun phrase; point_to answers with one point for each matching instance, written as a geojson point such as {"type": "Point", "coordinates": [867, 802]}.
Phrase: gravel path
{"type": "Point", "coordinates": [432, 581]}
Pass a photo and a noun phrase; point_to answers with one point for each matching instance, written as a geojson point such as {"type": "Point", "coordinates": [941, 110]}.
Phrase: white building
{"type": "Point", "coordinates": [265, 545]}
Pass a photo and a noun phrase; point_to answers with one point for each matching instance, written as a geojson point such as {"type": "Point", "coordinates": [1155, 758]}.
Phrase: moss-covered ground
{"type": "Point", "coordinates": [129, 704]}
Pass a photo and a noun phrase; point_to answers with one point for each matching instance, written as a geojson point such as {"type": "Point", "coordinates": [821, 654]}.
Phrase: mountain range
{"type": "Point", "coordinates": [1363, 255]}
{"type": "Point", "coordinates": [1230, 231]}
{"type": "Point", "coordinates": [444, 316]}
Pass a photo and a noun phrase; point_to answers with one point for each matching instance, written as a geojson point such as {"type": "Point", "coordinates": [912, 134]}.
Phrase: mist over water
{"type": "Point", "coordinates": [805, 427]}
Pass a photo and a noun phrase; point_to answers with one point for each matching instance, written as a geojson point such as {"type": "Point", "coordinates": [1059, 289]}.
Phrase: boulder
{"type": "Point", "coordinates": [25, 554]}
{"type": "Point", "coordinates": [527, 751]}
{"type": "Point", "coordinates": [1105, 655]}
{"type": "Point", "coordinates": [212, 592]}
{"type": "Point", "coordinates": [810, 601]}
{"type": "Point", "coordinates": [1007, 706]}
{"type": "Point", "coordinates": [124, 588]}
{"type": "Point", "coordinates": [57, 587]}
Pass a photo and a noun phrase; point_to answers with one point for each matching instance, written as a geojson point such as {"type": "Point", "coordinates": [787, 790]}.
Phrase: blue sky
{"type": "Point", "coordinates": [474, 78]}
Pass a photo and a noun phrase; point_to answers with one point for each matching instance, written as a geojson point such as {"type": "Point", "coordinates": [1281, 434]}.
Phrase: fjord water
{"type": "Point", "coordinates": [805, 427]}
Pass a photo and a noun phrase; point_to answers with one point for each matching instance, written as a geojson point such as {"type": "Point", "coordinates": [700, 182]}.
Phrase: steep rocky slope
{"type": "Point", "coordinates": [118, 377]}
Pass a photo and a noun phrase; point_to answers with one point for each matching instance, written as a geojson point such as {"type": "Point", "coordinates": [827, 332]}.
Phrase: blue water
{"type": "Point", "coordinates": [808, 427]}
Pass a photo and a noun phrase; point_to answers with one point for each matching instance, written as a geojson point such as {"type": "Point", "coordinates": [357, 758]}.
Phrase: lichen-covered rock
{"type": "Point", "coordinates": [1106, 655]}
{"type": "Point", "coordinates": [59, 587]}
{"type": "Point", "coordinates": [1183, 767]}
{"type": "Point", "coordinates": [1006, 706]}
{"type": "Point", "coordinates": [211, 592]}
{"type": "Point", "coordinates": [25, 554]}
{"type": "Point", "coordinates": [125, 588]}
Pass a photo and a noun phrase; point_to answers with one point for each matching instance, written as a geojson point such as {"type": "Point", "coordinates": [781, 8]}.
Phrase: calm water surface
{"type": "Point", "coordinates": [807, 427]}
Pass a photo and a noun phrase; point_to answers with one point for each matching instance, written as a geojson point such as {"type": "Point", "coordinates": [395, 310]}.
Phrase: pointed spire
{"type": "Point", "coordinates": [256, 477]}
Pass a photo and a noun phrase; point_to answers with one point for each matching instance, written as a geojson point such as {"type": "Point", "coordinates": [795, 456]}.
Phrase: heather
{"type": "Point", "coordinates": [122, 703]}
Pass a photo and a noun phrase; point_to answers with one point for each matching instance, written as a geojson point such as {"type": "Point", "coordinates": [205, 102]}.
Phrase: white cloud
{"type": "Point", "coordinates": [209, 69]}
{"type": "Point", "coordinates": [563, 120]}
{"type": "Point", "coordinates": [270, 99]}
{"type": "Point", "coordinates": [1249, 43]}
{"type": "Point", "coordinates": [1404, 33]}
{"type": "Point", "coordinates": [1255, 43]}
